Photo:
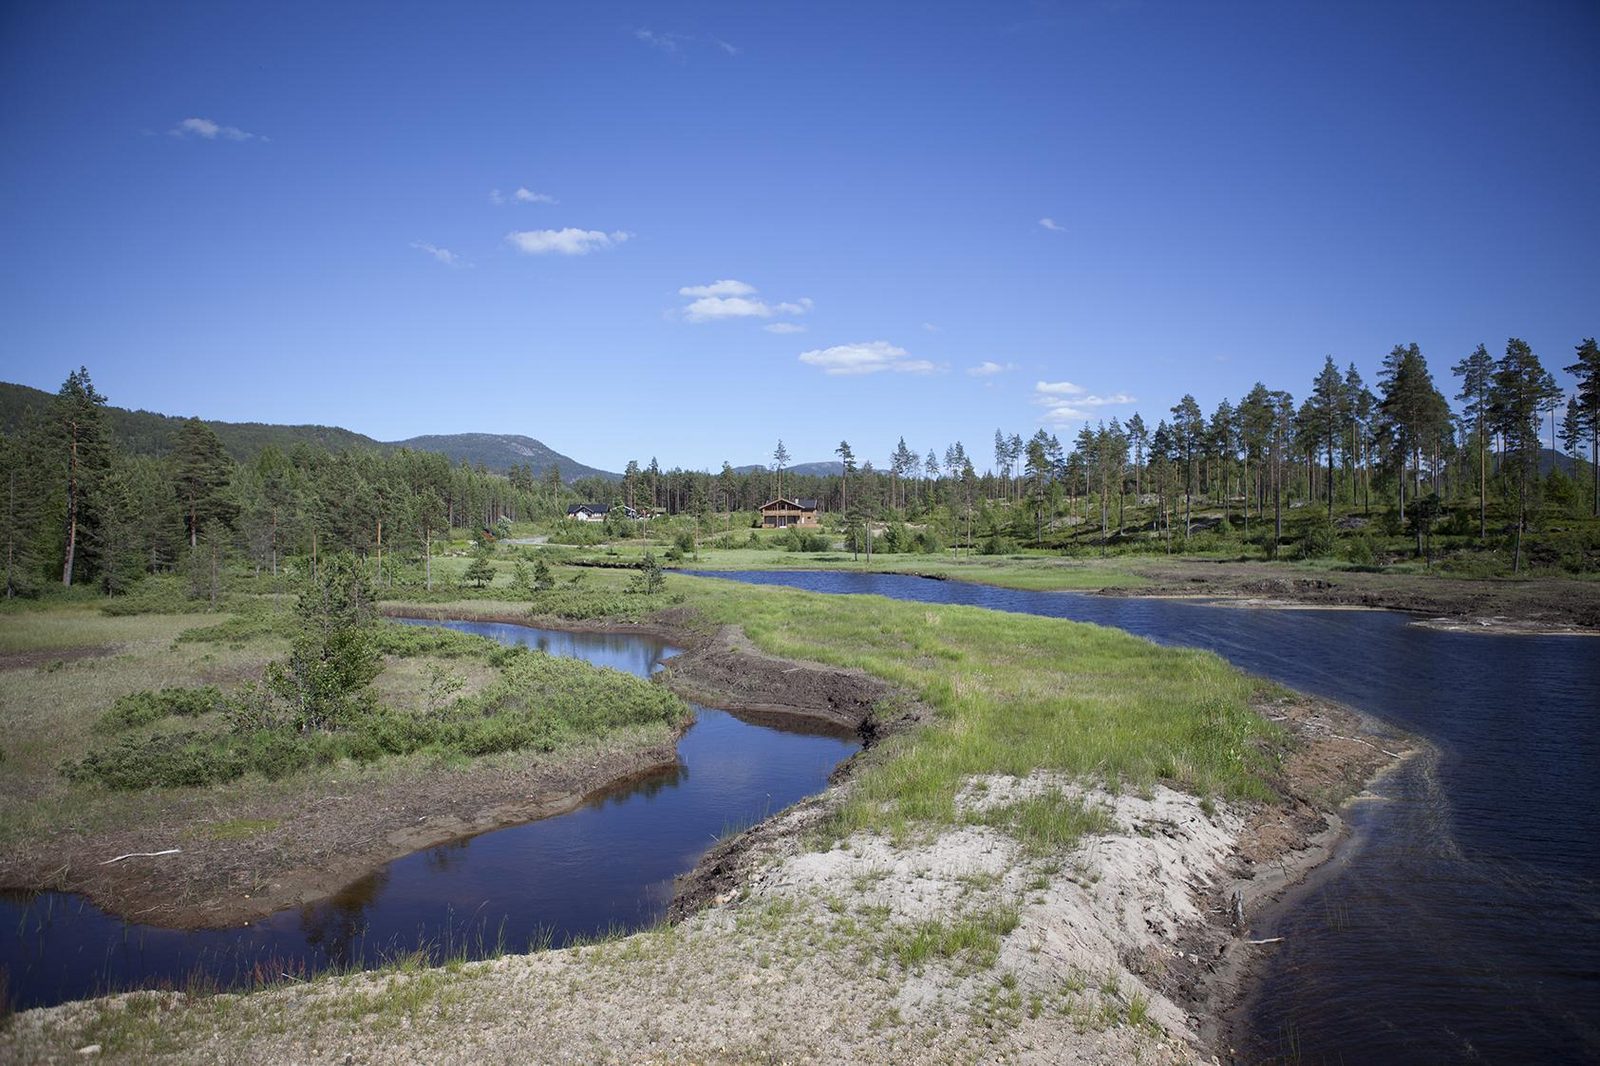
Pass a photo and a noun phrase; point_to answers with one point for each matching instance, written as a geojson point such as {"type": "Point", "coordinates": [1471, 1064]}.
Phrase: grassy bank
{"type": "Point", "coordinates": [1012, 693]}
{"type": "Point", "coordinates": [118, 724]}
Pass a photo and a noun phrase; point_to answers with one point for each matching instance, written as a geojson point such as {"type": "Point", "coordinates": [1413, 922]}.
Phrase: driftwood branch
{"type": "Point", "coordinates": [141, 855]}
{"type": "Point", "coordinates": [1368, 743]}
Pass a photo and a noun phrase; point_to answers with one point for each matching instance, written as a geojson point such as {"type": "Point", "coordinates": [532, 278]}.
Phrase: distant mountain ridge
{"type": "Point", "coordinates": [802, 469]}
{"type": "Point", "coordinates": [149, 433]}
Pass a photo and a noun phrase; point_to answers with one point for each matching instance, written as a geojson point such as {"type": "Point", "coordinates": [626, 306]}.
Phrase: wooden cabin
{"type": "Point", "coordinates": [781, 513]}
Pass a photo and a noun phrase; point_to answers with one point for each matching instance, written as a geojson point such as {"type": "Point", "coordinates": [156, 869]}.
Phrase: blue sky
{"type": "Point", "coordinates": [815, 221]}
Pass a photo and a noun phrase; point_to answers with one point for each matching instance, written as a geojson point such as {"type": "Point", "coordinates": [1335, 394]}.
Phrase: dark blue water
{"type": "Point", "coordinates": [607, 866]}
{"type": "Point", "coordinates": [1463, 922]}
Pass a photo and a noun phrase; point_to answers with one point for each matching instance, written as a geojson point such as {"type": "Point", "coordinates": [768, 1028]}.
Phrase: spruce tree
{"type": "Point", "coordinates": [83, 457]}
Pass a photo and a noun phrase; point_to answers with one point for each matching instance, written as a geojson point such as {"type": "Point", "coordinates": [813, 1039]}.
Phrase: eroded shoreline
{"type": "Point", "coordinates": [1336, 751]}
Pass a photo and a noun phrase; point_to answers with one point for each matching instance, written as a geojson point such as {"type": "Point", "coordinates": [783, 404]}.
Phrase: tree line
{"type": "Point", "coordinates": [80, 508]}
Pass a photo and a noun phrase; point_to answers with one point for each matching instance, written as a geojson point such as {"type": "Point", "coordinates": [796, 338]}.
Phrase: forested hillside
{"type": "Point", "coordinates": [148, 433]}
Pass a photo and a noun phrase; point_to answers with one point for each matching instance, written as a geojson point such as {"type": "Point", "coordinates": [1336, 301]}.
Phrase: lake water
{"type": "Point", "coordinates": [608, 865]}
{"type": "Point", "coordinates": [1462, 924]}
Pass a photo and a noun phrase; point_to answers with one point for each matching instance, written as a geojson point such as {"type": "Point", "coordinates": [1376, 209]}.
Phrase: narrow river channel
{"type": "Point", "coordinates": [1462, 923]}
{"type": "Point", "coordinates": [608, 865]}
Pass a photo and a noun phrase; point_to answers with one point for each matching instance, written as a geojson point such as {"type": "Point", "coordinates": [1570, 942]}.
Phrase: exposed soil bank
{"type": "Point", "coordinates": [310, 846]}
{"type": "Point", "coordinates": [1202, 960]}
{"type": "Point", "coordinates": [302, 848]}
{"type": "Point", "coordinates": [1498, 605]}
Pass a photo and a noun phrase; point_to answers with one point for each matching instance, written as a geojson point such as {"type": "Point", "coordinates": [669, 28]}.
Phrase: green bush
{"type": "Point", "coordinates": [154, 594]}
{"type": "Point", "coordinates": [1316, 542]}
{"type": "Point", "coordinates": [142, 708]}
{"type": "Point", "coordinates": [795, 539]}
{"type": "Point", "coordinates": [173, 760]}
{"type": "Point", "coordinates": [1359, 550]}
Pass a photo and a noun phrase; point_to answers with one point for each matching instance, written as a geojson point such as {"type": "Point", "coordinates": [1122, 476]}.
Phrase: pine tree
{"type": "Point", "coordinates": [847, 465]}
{"type": "Point", "coordinates": [780, 459]}
{"type": "Point", "coordinates": [1412, 408]}
{"type": "Point", "coordinates": [480, 571]}
{"type": "Point", "coordinates": [1522, 390]}
{"type": "Point", "coordinates": [1476, 372]}
{"type": "Point", "coordinates": [1587, 371]}
{"type": "Point", "coordinates": [201, 473]}
{"type": "Point", "coordinates": [1188, 423]}
{"type": "Point", "coordinates": [1328, 414]}
{"type": "Point", "coordinates": [23, 511]}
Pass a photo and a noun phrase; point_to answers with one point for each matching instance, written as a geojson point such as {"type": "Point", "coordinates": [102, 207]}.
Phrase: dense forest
{"type": "Point", "coordinates": [85, 506]}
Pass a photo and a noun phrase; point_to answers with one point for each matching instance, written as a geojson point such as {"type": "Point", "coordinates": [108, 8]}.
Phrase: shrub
{"type": "Point", "coordinates": [1360, 551]}
{"type": "Point", "coordinates": [142, 708]}
{"type": "Point", "coordinates": [1317, 540]}
{"type": "Point", "coordinates": [173, 760]}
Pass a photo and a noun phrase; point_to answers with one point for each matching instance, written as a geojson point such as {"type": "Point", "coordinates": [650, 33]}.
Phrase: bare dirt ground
{"type": "Point", "coordinates": [1500, 605]}
{"type": "Point", "coordinates": [291, 848]}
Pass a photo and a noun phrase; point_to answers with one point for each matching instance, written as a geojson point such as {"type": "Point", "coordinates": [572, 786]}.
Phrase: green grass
{"type": "Point", "coordinates": [1027, 570]}
{"type": "Point", "coordinates": [1013, 694]}
{"type": "Point", "coordinates": [1049, 823]}
{"type": "Point", "coordinates": [972, 942]}
{"type": "Point", "coordinates": [240, 828]}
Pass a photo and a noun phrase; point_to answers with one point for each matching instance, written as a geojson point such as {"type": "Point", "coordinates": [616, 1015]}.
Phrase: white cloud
{"type": "Point", "coordinates": [443, 255]}
{"type": "Point", "coordinates": [734, 299]}
{"type": "Point", "coordinates": [207, 130]}
{"type": "Point", "coordinates": [728, 287]}
{"type": "Point", "coordinates": [870, 357]}
{"type": "Point", "coordinates": [672, 43]}
{"type": "Point", "coordinates": [1052, 225]}
{"type": "Point", "coordinates": [569, 241]}
{"type": "Point", "coordinates": [987, 368]}
{"type": "Point", "coordinates": [666, 42]}
{"type": "Point", "coordinates": [523, 195]}
{"type": "Point", "coordinates": [929, 327]}
{"type": "Point", "coordinates": [784, 327]}
{"type": "Point", "coordinates": [1065, 402]}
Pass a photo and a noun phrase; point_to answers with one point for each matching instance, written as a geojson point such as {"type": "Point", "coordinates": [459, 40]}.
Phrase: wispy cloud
{"type": "Point", "coordinates": [1066, 402]}
{"type": "Point", "coordinates": [207, 130]}
{"type": "Point", "coordinates": [929, 327]}
{"type": "Point", "coordinates": [870, 357]}
{"type": "Point", "coordinates": [569, 241]}
{"type": "Point", "coordinates": [673, 44]}
{"type": "Point", "coordinates": [728, 287]}
{"type": "Point", "coordinates": [729, 298]}
{"type": "Point", "coordinates": [988, 369]}
{"type": "Point", "coordinates": [1052, 225]}
{"type": "Point", "coordinates": [523, 195]}
{"type": "Point", "coordinates": [443, 255]}
{"type": "Point", "coordinates": [784, 327]}
{"type": "Point", "coordinates": [665, 42]}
